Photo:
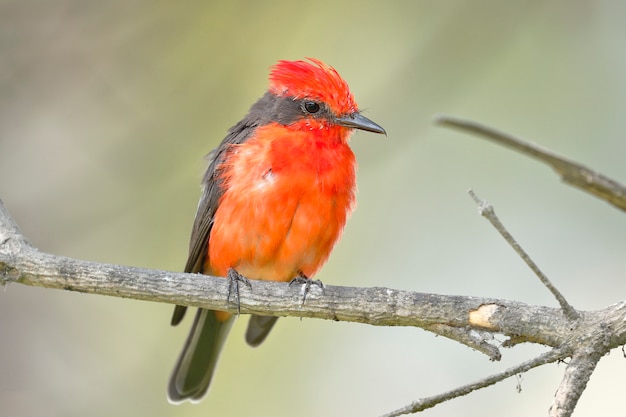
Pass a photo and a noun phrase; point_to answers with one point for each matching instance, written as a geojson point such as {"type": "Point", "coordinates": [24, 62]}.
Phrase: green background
{"type": "Point", "coordinates": [107, 108]}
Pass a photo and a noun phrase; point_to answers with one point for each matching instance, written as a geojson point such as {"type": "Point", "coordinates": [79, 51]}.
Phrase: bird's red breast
{"type": "Point", "coordinates": [289, 187]}
{"type": "Point", "coordinates": [288, 195]}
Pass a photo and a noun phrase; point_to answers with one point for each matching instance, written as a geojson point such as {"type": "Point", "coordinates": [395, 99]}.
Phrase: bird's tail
{"type": "Point", "coordinates": [258, 329]}
{"type": "Point", "coordinates": [194, 369]}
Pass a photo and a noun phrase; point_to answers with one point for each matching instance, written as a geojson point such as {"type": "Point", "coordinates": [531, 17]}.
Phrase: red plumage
{"type": "Point", "coordinates": [288, 195]}
{"type": "Point", "coordinates": [300, 79]}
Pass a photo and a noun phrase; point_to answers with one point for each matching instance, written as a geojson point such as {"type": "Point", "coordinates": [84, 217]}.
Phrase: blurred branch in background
{"type": "Point", "coordinates": [584, 336]}
{"type": "Point", "coordinates": [571, 172]}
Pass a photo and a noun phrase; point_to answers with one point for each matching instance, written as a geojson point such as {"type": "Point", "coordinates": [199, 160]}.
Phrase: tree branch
{"type": "Point", "coordinates": [586, 349]}
{"type": "Point", "coordinates": [572, 173]}
{"type": "Point", "coordinates": [24, 264]}
{"type": "Point", "coordinates": [574, 382]}
{"type": "Point", "coordinates": [425, 403]}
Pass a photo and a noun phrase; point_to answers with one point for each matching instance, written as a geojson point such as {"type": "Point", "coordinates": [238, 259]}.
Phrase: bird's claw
{"type": "Point", "coordinates": [306, 283]}
{"type": "Point", "coordinates": [234, 278]}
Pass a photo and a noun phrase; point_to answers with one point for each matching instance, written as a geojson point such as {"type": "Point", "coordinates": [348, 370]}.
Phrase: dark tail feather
{"type": "Point", "coordinates": [178, 315]}
{"type": "Point", "coordinates": [192, 374]}
{"type": "Point", "coordinates": [258, 329]}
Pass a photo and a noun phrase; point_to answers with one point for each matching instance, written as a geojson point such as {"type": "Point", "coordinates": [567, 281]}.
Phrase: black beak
{"type": "Point", "coordinates": [357, 121]}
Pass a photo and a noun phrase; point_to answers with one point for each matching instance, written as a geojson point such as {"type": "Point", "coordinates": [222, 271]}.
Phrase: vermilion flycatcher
{"type": "Point", "coordinates": [277, 193]}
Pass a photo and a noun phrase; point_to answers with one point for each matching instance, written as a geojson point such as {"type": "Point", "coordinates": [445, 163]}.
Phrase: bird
{"type": "Point", "coordinates": [276, 196]}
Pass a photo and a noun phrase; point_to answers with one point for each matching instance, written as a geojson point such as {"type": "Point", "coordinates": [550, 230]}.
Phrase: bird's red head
{"type": "Point", "coordinates": [316, 81]}
{"type": "Point", "coordinates": [326, 99]}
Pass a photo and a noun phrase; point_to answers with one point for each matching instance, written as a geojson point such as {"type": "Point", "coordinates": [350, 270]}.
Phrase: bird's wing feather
{"type": "Point", "coordinates": [211, 194]}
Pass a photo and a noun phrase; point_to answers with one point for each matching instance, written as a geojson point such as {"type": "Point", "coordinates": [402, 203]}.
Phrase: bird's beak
{"type": "Point", "coordinates": [357, 121]}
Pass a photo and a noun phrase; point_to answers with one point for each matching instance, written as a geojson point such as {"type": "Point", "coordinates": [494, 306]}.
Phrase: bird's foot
{"type": "Point", "coordinates": [234, 278]}
{"type": "Point", "coordinates": [306, 283]}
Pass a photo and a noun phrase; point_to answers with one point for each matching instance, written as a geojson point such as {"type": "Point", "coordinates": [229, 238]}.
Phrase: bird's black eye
{"type": "Point", "coordinates": [311, 107]}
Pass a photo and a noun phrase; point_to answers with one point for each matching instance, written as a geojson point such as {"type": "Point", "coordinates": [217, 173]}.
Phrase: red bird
{"type": "Point", "coordinates": [277, 194]}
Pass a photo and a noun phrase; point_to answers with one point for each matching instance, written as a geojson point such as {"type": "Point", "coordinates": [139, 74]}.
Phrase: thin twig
{"type": "Point", "coordinates": [486, 210]}
{"type": "Point", "coordinates": [572, 173]}
{"type": "Point", "coordinates": [425, 403]}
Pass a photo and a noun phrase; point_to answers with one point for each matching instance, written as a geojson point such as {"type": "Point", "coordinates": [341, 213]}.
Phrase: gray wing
{"type": "Point", "coordinates": [212, 191]}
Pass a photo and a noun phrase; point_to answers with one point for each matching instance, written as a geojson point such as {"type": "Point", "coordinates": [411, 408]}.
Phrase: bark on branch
{"type": "Point", "coordinates": [22, 263]}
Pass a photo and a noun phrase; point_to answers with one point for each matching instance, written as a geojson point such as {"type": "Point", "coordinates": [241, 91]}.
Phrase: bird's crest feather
{"type": "Point", "coordinates": [314, 80]}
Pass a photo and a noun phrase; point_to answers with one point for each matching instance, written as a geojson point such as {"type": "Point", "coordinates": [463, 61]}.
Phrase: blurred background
{"type": "Point", "coordinates": [106, 112]}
